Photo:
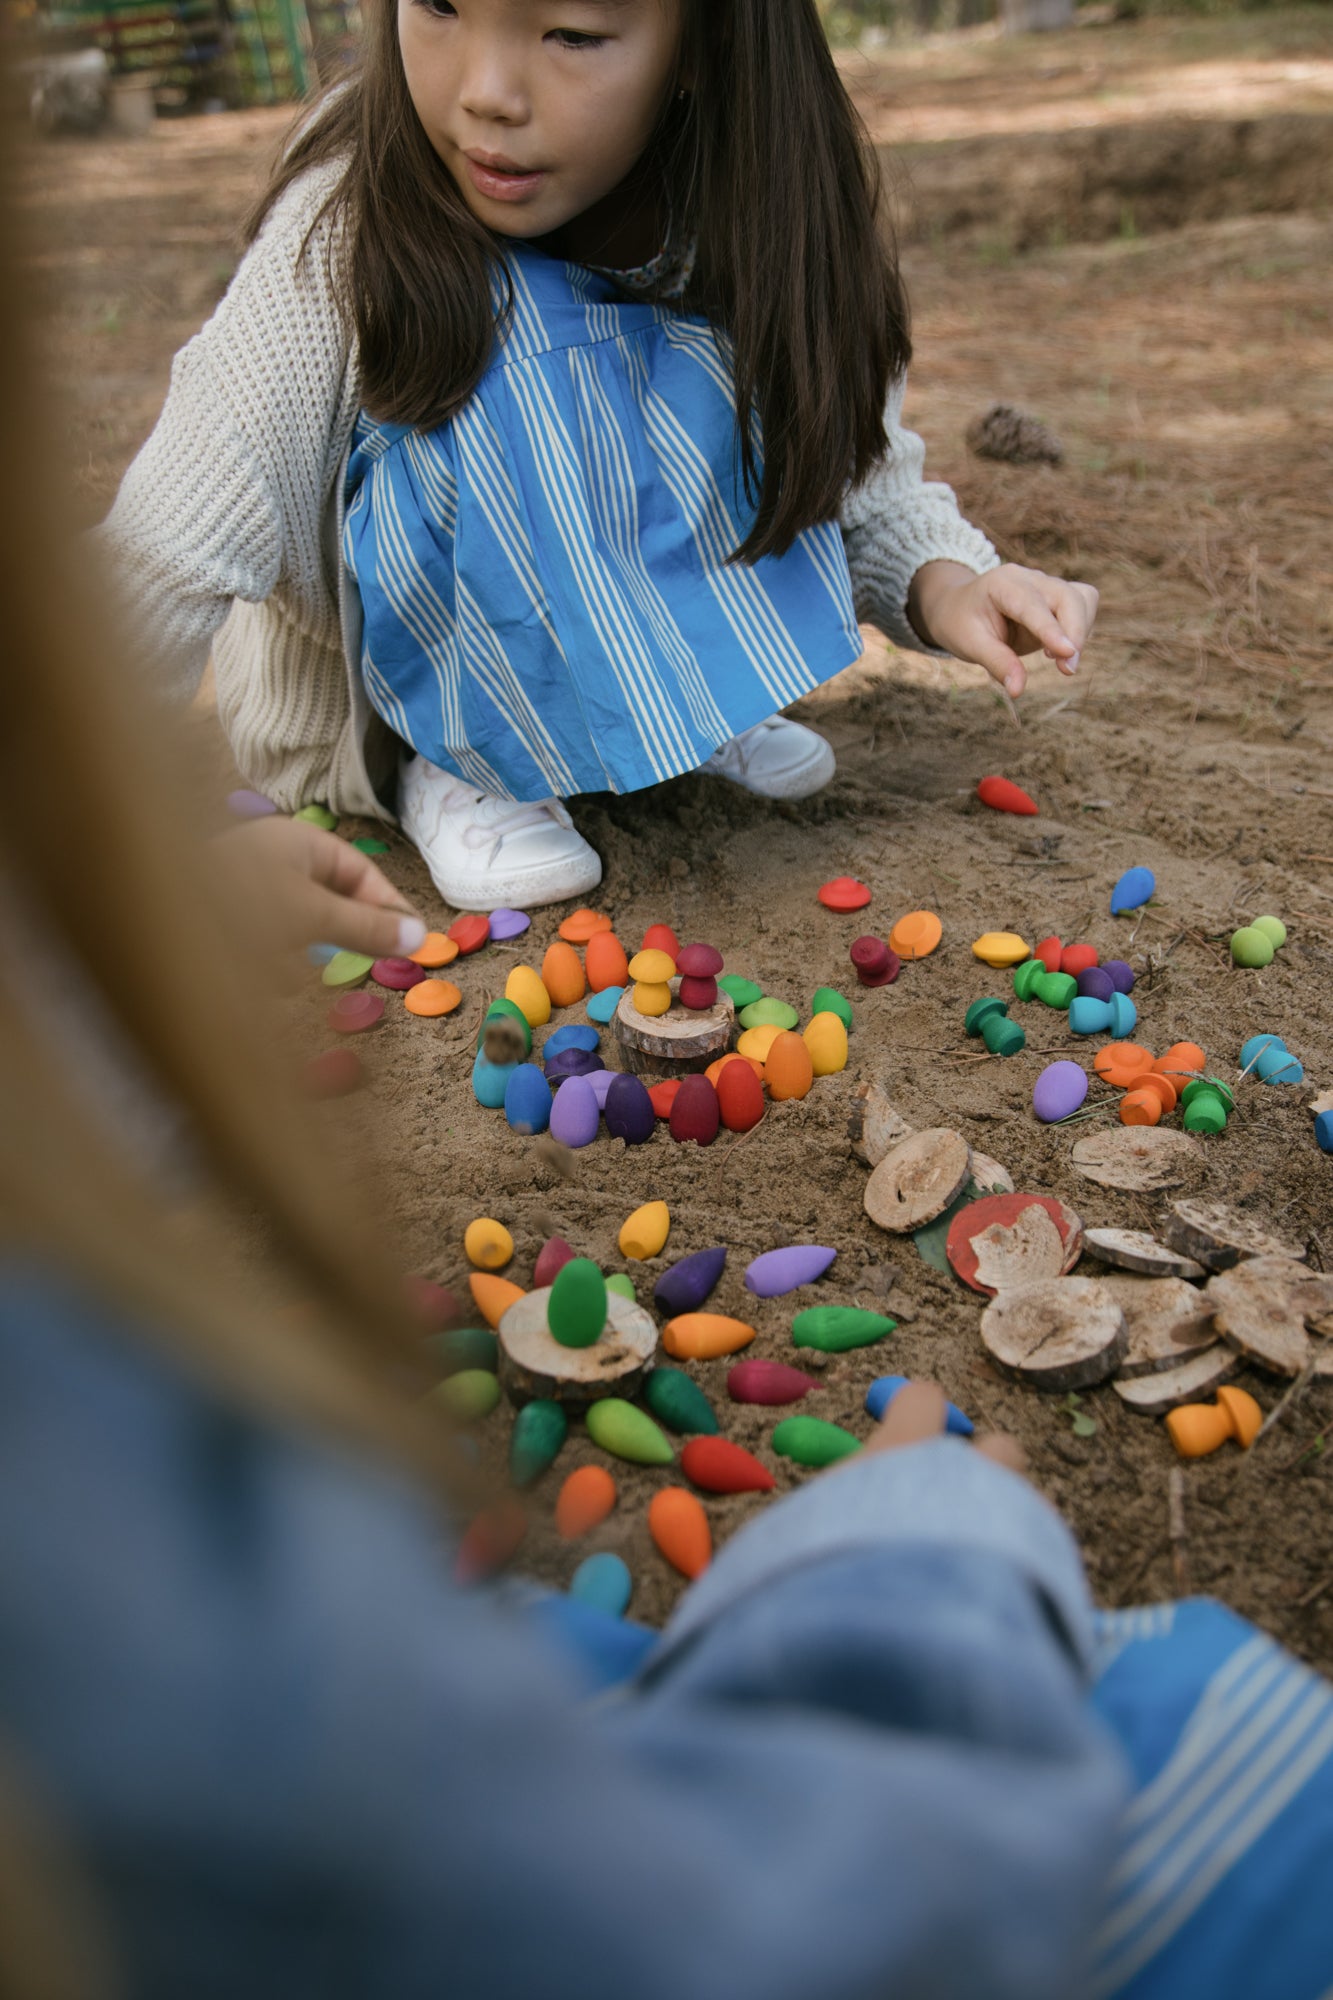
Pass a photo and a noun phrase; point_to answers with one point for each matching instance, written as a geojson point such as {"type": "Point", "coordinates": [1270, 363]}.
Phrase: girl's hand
{"type": "Point", "coordinates": [994, 618]}
{"type": "Point", "coordinates": [918, 1412]}
{"type": "Point", "coordinates": [304, 886]}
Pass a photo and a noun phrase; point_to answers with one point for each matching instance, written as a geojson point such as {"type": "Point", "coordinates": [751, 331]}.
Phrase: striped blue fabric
{"type": "Point", "coordinates": [547, 604]}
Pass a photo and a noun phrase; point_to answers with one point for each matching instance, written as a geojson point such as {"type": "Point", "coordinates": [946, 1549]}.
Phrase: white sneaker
{"type": "Point", "coordinates": [484, 853]}
{"type": "Point", "coordinates": [778, 759]}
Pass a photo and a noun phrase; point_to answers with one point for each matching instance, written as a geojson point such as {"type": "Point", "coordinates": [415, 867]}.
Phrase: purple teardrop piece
{"type": "Point", "coordinates": [779, 1271]}
{"type": "Point", "coordinates": [687, 1284]}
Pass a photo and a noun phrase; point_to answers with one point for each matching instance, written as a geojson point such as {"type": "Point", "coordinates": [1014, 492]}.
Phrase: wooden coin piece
{"type": "Point", "coordinates": [533, 1363]}
{"type": "Point", "coordinates": [681, 1041]}
{"type": "Point", "coordinates": [1062, 1334]}
{"type": "Point", "coordinates": [1219, 1236]}
{"type": "Point", "coordinates": [1168, 1321]}
{"type": "Point", "coordinates": [874, 1124]}
{"type": "Point", "coordinates": [1135, 1250]}
{"type": "Point", "coordinates": [988, 1176]}
{"type": "Point", "coordinates": [921, 1176]}
{"type": "Point", "coordinates": [1263, 1306]}
{"type": "Point", "coordinates": [1013, 1239]}
{"type": "Point", "coordinates": [1140, 1158]}
{"type": "Point", "coordinates": [1153, 1395]}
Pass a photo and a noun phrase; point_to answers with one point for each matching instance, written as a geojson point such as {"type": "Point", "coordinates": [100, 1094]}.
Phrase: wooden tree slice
{"type": "Point", "coordinates": [874, 1125]}
{"type": "Point", "coordinates": [919, 1178]}
{"type": "Point", "coordinates": [1135, 1250]}
{"type": "Point", "coordinates": [988, 1176]}
{"type": "Point", "coordinates": [1065, 1333]}
{"type": "Point", "coordinates": [1219, 1236]}
{"type": "Point", "coordinates": [533, 1364]}
{"type": "Point", "coordinates": [1141, 1158]}
{"type": "Point", "coordinates": [1013, 1239]}
{"type": "Point", "coordinates": [1263, 1306]}
{"type": "Point", "coordinates": [1154, 1395]}
{"type": "Point", "coordinates": [1168, 1321]}
{"type": "Point", "coordinates": [677, 1042]}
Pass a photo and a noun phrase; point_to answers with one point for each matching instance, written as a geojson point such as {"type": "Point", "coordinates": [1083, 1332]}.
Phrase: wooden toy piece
{"type": "Point", "coordinates": [874, 1124]}
{"type": "Point", "coordinates": [1263, 1307]}
{"type": "Point", "coordinates": [1076, 958]}
{"type": "Point", "coordinates": [1028, 977]}
{"type": "Point", "coordinates": [1205, 1113]}
{"type": "Point", "coordinates": [769, 1012]}
{"type": "Point", "coordinates": [603, 1582]}
{"type": "Point", "coordinates": [885, 1388]}
{"type": "Point", "coordinates": [839, 1329]}
{"type": "Point", "coordinates": [619, 1281]}
{"type": "Point", "coordinates": [432, 999]}
{"type": "Point", "coordinates": [1252, 948]}
{"type": "Point", "coordinates": [678, 1040]}
{"type": "Point", "coordinates": [1005, 1240]}
{"type": "Point", "coordinates": [490, 1081]}
{"type": "Point", "coordinates": [756, 1042]}
{"type": "Point", "coordinates": [1000, 949]}
{"type": "Point", "coordinates": [768, 1382]}
{"type": "Point", "coordinates": [1278, 1066]}
{"type": "Point", "coordinates": [918, 1180]}
{"type": "Point", "coordinates": [604, 962]}
{"type": "Point", "coordinates": [493, 1296]}
{"type": "Point", "coordinates": [1197, 1428]}
{"type": "Point", "coordinates": [463, 1347]}
{"type": "Point", "coordinates": [1273, 929]}
{"type": "Point", "coordinates": [352, 1013]}
{"type": "Point", "coordinates": [644, 1233]}
{"type": "Point", "coordinates": [916, 935]}
{"type": "Point", "coordinates": [528, 993]}
{"type": "Point", "coordinates": [336, 1073]}
{"type": "Point", "coordinates": [1135, 1250]}
{"type": "Point", "coordinates": [576, 1306]}
{"type": "Point", "coordinates": [603, 1004]}
{"type": "Point", "coordinates": [507, 923]}
{"type": "Point", "coordinates": [1219, 1236]}
{"type": "Point", "coordinates": [678, 1402]}
{"type": "Point", "coordinates": [844, 893]}
{"type": "Point", "coordinates": [981, 1011]}
{"type": "Point", "coordinates": [697, 994]}
{"type": "Point", "coordinates": [714, 1070]}
{"type": "Point", "coordinates": [813, 1441]}
{"type": "Point", "coordinates": [1002, 1036]}
{"type": "Point", "coordinates": [470, 932]}
{"type": "Point", "coordinates": [575, 1113]}
{"type": "Point", "coordinates": [695, 1112]}
{"type": "Point", "coordinates": [505, 1036]}
{"type": "Point", "coordinates": [875, 964]}
{"type": "Point", "coordinates": [1121, 976]}
{"type": "Point", "coordinates": [584, 1501]}
{"type": "Point", "coordinates": [828, 1000]}
{"type": "Point", "coordinates": [1002, 795]}
{"type": "Point", "coordinates": [398, 974]}
{"type": "Point", "coordinates": [720, 1466]}
{"type": "Point", "coordinates": [652, 968]}
{"type": "Point", "coordinates": [826, 1039]}
{"type": "Point", "coordinates": [534, 1364]}
{"type": "Point", "coordinates": [1140, 1107]}
{"type": "Point", "coordinates": [679, 1527]}
{"type": "Point", "coordinates": [1161, 1086]}
{"type": "Point", "coordinates": [741, 992]}
{"type": "Point", "coordinates": [698, 965]}
{"type": "Point", "coordinates": [1048, 951]}
{"type": "Point", "coordinates": [346, 968]}
{"type": "Point", "coordinates": [1134, 888]}
{"type": "Point", "coordinates": [554, 1254]}
{"type": "Point", "coordinates": [1122, 1064]}
{"type": "Point", "coordinates": [469, 1395]}
{"type": "Point", "coordinates": [490, 1541]}
{"type": "Point", "coordinates": [740, 1096]}
{"type": "Point", "coordinates": [651, 999]}
{"type": "Point", "coordinates": [1181, 1060]}
{"type": "Point", "coordinates": [664, 1095]}
{"type": "Point", "coordinates": [539, 1433]}
{"type": "Point", "coordinates": [1056, 989]}
{"type": "Point", "coordinates": [661, 937]}
{"type": "Point", "coordinates": [789, 1070]}
{"type": "Point", "coordinates": [1095, 984]}
{"type": "Point", "coordinates": [683, 1286]}
{"type": "Point", "coordinates": [1323, 1130]}
{"type": "Point", "coordinates": [562, 975]}
{"type": "Point", "coordinates": [627, 1432]}
{"type": "Point", "coordinates": [1152, 1395]}
{"type": "Point", "coordinates": [583, 924]}
{"type": "Point", "coordinates": [318, 815]}
{"type": "Point", "coordinates": [1141, 1159]}
{"type": "Point", "coordinates": [1062, 1334]}
{"type": "Point", "coordinates": [487, 1244]}
{"type": "Point", "coordinates": [1060, 1089]}
{"type": "Point", "coordinates": [702, 1336]}
{"type": "Point", "coordinates": [1168, 1319]}
{"type": "Point", "coordinates": [1247, 1419]}
{"type": "Point", "coordinates": [774, 1273]}
{"type": "Point", "coordinates": [628, 1110]}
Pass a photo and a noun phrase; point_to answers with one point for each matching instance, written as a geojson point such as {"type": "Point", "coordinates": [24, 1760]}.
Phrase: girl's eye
{"type": "Point", "coordinates": [574, 38]}
{"type": "Point", "coordinates": [441, 9]}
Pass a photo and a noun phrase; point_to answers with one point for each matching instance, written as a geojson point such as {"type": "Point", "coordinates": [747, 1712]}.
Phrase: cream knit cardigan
{"type": "Point", "coordinates": [226, 529]}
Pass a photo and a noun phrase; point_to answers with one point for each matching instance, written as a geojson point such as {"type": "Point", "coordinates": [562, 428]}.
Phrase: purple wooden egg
{"type": "Point", "coordinates": [508, 924]}
{"type": "Point", "coordinates": [1060, 1089]}
{"type": "Point", "coordinates": [574, 1115]}
{"type": "Point", "coordinates": [601, 1081]}
{"type": "Point", "coordinates": [695, 1114]}
{"type": "Point", "coordinates": [1096, 983]}
{"type": "Point", "coordinates": [572, 1062]}
{"type": "Point", "coordinates": [397, 973]}
{"type": "Point", "coordinates": [779, 1271]}
{"type": "Point", "coordinates": [1121, 976]}
{"type": "Point", "coordinates": [769, 1382]}
{"type": "Point", "coordinates": [629, 1111]}
{"type": "Point", "coordinates": [684, 1287]}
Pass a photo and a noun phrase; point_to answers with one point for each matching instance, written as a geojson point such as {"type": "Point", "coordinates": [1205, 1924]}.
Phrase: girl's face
{"type": "Point", "coordinates": [538, 108]}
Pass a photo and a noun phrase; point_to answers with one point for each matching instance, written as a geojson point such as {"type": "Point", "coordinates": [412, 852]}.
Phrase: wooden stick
{"type": "Point", "coordinates": [1175, 1509]}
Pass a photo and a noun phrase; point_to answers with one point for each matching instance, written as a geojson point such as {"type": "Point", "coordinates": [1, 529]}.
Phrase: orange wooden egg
{"type": "Point", "coordinates": [701, 1336]}
{"type": "Point", "coordinates": [661, 937]}
{"type": "Point", "coordinates": [1140, 1107]}
{"type": "Point", "coordinates": [604, 962]}
{"type": "Point", "coordinates": [586, 1498]}
{"type": "Point", "coordinates": [562, 975]}
{"type": "Point", "coordinates": [679, 1526]}
{"type": "Point", "coordinates": [789, 1071]}
{"type": "Point", "coordinates": [581, 925]}
{"type": "Point", "coordinates": [493, 1296]}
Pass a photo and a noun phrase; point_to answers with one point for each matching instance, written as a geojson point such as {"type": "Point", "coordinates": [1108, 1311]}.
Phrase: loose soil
{"type": "Point", "coordinates": [1190, 376]}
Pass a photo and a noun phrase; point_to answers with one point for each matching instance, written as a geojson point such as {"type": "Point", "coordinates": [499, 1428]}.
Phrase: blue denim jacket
{"type": "Point", "coordinates": [296, 1761]}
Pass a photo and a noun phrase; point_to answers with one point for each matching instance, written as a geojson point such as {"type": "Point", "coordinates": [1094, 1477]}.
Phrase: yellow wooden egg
{"type": "Point", "coordinates": [524, 987]}
{"type": "Point", "coordinates": [644, 1232]}
{"type": "Point", "coordinates": [756, 1042]}
{"type": "Point", "coordinates": [826, 1039]}
{"type": "Point", "coordinates": [652, 967]}
{"type": "Point", "coordinates": [487, 1244]}
{"type": "Point", "coordinates": [1001, 948]}
{"type": "Point", "coordinates": [650, 998]}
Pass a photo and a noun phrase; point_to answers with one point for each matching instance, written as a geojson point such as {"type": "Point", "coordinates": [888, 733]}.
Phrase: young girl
{"type": "Point", "coordinates": [592, 295]}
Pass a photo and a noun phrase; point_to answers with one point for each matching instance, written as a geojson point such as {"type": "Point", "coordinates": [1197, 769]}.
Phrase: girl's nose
{"type": "Point", "coordinates": [491, 82]}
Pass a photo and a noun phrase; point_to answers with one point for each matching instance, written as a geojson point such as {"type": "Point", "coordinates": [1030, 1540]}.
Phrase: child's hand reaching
{"type": "Point", "coordinates": [994, 618]}
{"type": "Point", "coordinates": [918, 1412]}
{"type": "Point", "coordinates": [302, 886]}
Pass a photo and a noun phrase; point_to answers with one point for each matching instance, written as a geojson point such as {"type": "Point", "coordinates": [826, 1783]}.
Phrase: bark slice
{"type": "Point", "coordinates": [919, 1178]}
{"type": "Point", "coordinates": [1013, 1239]}
{"type": "Point", "coordinates": [1154, 1395]}
{"type": "Point", "coordinates": [988, 1176]}
{"type": "Point", "coordinates": [677, 1042]}
{"type": "Point", "coordinates": [1168, 1320]}
{"type": "Point", "coordinates": [1263, 1307]}
{"type": "Point", "coordinates": [1141, 1158]}
{"type": "Point", "coordinates": [1066, 1333]}
{"type": "Point", "coordinates": [1135, 1250]}
{"type": "Point", "coordinates": [875, 1125]}
{"type": "Point", "coordinates": [532, 1363]}
{"type": "Point", "coordinates": [1219, 1236]}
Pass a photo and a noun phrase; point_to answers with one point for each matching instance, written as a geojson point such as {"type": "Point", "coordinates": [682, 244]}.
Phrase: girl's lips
{"type": "Point", "coordinates": [501, 185]}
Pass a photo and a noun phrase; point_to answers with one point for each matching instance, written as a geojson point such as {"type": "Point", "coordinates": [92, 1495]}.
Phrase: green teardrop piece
{"type": "Point", "coordinates": [618, 1282]}
{"type": "Point", "coordinates": [828, 1000]}
{"type": "Point", "coordinates": [576, 1309]}
{"type": "Point", "coordinates": [835, 1329]}
{"type": "Point", "coordinates": [741, 992]}
{"type": "Point", "coordinates": [371, 847]}
{"type": "Point", "coordinates": [678, 1402]}
{"type": "Point", "coordinates": [318, 816]}
{"type": "Point", "coordinates": [540, 1429]}
{"type": "Point", "coordinates": [627, 1433]}
{"type": "Point", "coordinates": [769, 1013]}
{"type": "Point", "coordinates": [811, 1441]}
{"type": "Point", "coordinates": [465, 1347]}
{"type": "Point", "coordinates": [470, 1395]}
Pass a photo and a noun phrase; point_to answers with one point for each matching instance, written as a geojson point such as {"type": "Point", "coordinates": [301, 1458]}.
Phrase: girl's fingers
{"type": "Point", "coordinates": [328, 917]}
{"type": "Point", "coordinates": [1001, 662]}
{"type": "Point", "coordinates": [1029, 599]}
{"type": "Point", "coordinates": [1004, 1450]}
{"type": "Point", "coordinates": [917, 1412]}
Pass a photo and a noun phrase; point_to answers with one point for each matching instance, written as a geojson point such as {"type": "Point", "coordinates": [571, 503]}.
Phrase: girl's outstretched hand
{"type": "Point", "coordinates": [303, 886]}
{"type": "Point", "coordinates": [995, 618]}
{"type": "Point", "coordinates": [918, 1412]}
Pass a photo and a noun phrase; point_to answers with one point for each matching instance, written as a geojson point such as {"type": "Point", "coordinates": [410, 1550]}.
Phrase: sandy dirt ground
{"type": "Point", "coordinates": [1190, 377]}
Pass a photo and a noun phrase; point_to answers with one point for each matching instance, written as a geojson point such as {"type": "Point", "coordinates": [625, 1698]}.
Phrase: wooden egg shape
{"type": "Point", "coordinates": [679, 1526]}
{"type": "Point", "coordinates": [696, 1113]}
{"type": "Point", "coordinates": [629, 1111]}
{"type": "Point", "coordinates": [605, 963]}
{"type": "Point", "coordinates": [584, 1501]}
{"type": "Point", "coordinates": [562, 975]}
{"type": "Point", "coordinates": [788, 1070]}
{"type": "Point", "coordinates": [826, 1039]}
{"type": "Point", "coordinates": [528, 992]}
{"type": "Point", "coordinates": [740, 1097]}
{"type": "Point", "coordinates": [661, 937]}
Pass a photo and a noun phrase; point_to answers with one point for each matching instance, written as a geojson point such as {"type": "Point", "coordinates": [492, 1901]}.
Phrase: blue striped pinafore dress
{"type": "Point", "coordinates": [546, 600]}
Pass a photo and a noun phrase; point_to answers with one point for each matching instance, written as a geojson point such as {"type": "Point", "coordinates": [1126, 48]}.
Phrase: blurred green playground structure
{"type": "Point", "coordinates": [208, 52]}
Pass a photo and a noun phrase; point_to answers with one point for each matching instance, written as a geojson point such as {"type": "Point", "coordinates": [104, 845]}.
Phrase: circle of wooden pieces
{"type": "Point", "coordinates": [533, 1363]}
{"type": "Point", "coordinates": [1262, 1309]}
{"type": "Point", "coordinates": [1166, 1389]}
{"type": "Point", "coordinates": [874, 1124]}
{"type": "Point", "coordinates": [917, 1180]}
{"type": "Point", "coordinates": [1063, 1334]}
{"type": "Point", "coordinates": [1005, 1240]}
{"type": "Point", "coordinates": [1135, 1250]}
{"type": "Point", "coordinates": [1141, 1158]}
{"type": "Point", "coordinates": [1219, 1236]}
{"type": "Point", "coordinates": [1169, 1321]}
{"type": "Point", "coordinates": [683, 1039]}
{"type": "Point", "coordinates": [844, 893]}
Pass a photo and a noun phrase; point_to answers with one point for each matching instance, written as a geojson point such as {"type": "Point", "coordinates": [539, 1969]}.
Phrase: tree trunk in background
{"type": "Point", "coordinates": [1029, 16]}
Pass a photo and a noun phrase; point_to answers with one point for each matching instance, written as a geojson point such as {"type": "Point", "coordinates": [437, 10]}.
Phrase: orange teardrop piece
{"type": "Point", "coordinates": [701, 1336]}
{"type": "Point", "coordinates": [493, 1296]}
{"type": "Point", "coordinates": [586, 1498]}
{"type": "Point", "coordinates": [679, 1526]}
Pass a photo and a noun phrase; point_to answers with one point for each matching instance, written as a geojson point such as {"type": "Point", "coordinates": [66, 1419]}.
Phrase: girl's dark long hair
{"type": "Point", "coordinates": [766, 164]}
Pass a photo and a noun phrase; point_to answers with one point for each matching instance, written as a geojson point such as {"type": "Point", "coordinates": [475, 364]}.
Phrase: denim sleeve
{"type": "Point", "coordinates": [296, 1761]}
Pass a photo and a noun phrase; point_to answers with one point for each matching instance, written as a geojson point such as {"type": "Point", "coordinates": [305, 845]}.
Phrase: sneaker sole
{"type": "Point", "coordinates": [802, 783]}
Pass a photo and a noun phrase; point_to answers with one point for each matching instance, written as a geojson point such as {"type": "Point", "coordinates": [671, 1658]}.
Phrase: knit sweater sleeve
{"type": "Point", "coordinates": [895, 522]}
{"type": "Point", "coordinates": [224, 500]}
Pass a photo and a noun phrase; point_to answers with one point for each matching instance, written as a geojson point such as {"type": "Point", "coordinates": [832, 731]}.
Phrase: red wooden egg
{"type": "Point", "coordinates": [554, 1254]}
{"type": "Point", "coordinates": [661, 937]}
{"type": "Point", "coordinates": [740, 1096]}
{"type": "Point", "coordinates": [695, 1113]}
{"type": "Point", "coordinates": [769, 1382]}
{"type": "Point", "coordinates": [720, 1466]}
{"type": "Point", "coordinates": [1005, 797]}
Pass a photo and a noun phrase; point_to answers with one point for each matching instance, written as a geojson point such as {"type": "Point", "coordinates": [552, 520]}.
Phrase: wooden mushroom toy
{"type": "Point", "coordinates": [652, 973]}
{"type": "Point", "coordinates": [1198, 1428]}
{"type": "Point", "coordinates": [698, 966]}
